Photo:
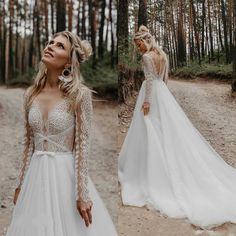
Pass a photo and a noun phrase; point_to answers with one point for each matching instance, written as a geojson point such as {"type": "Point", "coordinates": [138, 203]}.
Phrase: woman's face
{"type": "Point", "coordinates": [140, 45]}
{"type": "Point", "coordinates": [57, 53]}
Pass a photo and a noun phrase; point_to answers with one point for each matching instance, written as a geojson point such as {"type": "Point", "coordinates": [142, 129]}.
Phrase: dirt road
{"type": "Point", "coordinates": [103, 161]}
{"type": "Point", "coordinates": [212, 110]}
{"type": "Point", "coordinates": [210, 107]}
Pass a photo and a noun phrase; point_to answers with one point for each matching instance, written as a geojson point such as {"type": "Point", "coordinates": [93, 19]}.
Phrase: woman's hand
{"type": "Point", "coordinates": [146, 108]}
{"type": "Point", "coordinates": [84, 209]}
{"type": "Point", "coordinates": [17, 191]}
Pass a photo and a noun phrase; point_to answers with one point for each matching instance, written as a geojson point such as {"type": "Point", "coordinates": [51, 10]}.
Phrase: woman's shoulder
{"type": "Point", "coordinates": [83, 92]}
{"type": "Point", "coordinates": [27, 93]}
{"type": "Point", "coordinates": [146, 55]}
{"type": "Point", "coordinates": [147, 58]}
{"type": "Point", "coordinates": [149, 55]}
{"type": "Point", "coordinates": [153, 55]}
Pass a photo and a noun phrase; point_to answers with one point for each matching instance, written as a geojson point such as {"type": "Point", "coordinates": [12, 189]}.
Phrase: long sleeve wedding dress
{"type": "Point", "coordinates": [167, 164]}
{"type": "Point", "coordinates": [54, 174]}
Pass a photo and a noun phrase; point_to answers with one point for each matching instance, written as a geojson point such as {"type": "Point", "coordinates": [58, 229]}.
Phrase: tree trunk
{"type": "Point", "coordinates": [181, 47]}
{"type": "Point", "coordinates": [142, 13]}
{"type": "Point", "coordinates": [210, 30]}
{"type": "Point", "coordinates": [52, 2]}
{"type": "Point", "coordinates": [61, 15]}
{"type": "Point", "coordinates": [78, 28]}
{"type": "Point", "coordinates": [203, 27]}
{"type": "Point", "coordinates": [225, 31]}
{"type": "Point", "coordinates": [234, 48]}
{"type": "Point", "coordinates": [70, 14]}
{"type": "Point", "coordinates": [2, 42]}
{"type": "Point", "coordinates": [122, 42]}
{"type": "Point", "coordinates": [7, 57]}
{"type": "Point", "coordinates": [101, 30]}
{"type": "Point", "coordinates": [219, 27]}
{"type": "Point", "coordinates": [230, 9]}
{"type": "Point", "coordinates": [93, 28]}
{"type": "Point", "coordinates": [83, 33]}
{"type": "Point", "coordinates": [122, 27]}
{"type": "Point", "coordinates": [191, 37]}
{"type": "Point", "coordinates": [9, 51]}
{"type": "Point", "coordinates": [46, 19]}
{"type": "Point", "coordinates": [38, 30]}
{"type": "Point", "coordinates": [112, 36]}
{"type": "Point", "coordinates": [16, 59]}
{"type": "Point", "coordinates": [196, 31]}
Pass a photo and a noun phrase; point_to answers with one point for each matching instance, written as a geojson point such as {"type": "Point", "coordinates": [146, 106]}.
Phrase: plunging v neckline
{"type": "Point", "coordinates": [55, 105]}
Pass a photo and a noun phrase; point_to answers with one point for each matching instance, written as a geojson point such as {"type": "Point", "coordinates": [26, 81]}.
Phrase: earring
{"type": "Point", "coordinates": [66, 72]}
{"type": "Point", "coordinates": [66, 75]}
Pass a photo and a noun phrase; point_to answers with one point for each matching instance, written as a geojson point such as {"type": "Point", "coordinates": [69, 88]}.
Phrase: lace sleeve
{"type": "Point", "coordinates": [27, 143]}
{"type": "Point", "coordinates": [82, 144]}
{"type": "Point", "coordinates": [166, 71]}
{"type": "Point", "coordinates": [148, 73]}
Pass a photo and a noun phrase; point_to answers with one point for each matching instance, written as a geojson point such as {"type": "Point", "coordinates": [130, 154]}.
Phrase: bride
{"type": "Point", "coordinates": [165, 163]}
{"type": "Point", "coordinates": [55, 195]}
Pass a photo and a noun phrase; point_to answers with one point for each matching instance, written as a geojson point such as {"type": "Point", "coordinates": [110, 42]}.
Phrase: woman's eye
{"type": "Point", "coordinates": [60, 45]}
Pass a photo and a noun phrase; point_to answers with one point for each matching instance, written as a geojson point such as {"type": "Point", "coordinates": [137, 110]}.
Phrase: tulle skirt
{"type": "Point", "coordinates": [166, 164]}
{"type": "Point", "coordinates": [46, 205]}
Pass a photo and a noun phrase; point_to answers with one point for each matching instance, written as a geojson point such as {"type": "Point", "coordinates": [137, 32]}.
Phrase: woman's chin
{"type": "Point", "coordinates": [46, 61]}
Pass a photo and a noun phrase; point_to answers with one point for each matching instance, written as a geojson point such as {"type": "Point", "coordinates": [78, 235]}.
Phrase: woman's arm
{"type": "Point", "coordinates": [148, 73]}
{"type": "Point", "coordinates": [166, 71]}
{"type": "Point", "coordinates": [82, 151]}
{"type": "Point", "coordinates": [27, 143]}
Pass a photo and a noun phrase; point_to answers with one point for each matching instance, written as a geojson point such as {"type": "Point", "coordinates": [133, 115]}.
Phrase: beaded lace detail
{"type": "Point", "coordinates": [55, 134]}
{"type": "Point", "coordinates": [27, 143]}
{"type": "Point", "coordinates": [82, 148]}
{"type": "Point", "coordinates": [151, 73]}
{"type": "Point", "coordinates": [63, 131]}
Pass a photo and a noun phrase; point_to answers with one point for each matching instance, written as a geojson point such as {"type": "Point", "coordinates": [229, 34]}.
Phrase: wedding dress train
{"type": "Point", "coordinates": [167, 164]}
{"type": "Point", "coordinates": [57, 175]}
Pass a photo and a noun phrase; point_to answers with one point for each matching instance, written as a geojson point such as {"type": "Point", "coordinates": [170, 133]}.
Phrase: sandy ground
{"type": "Point", "coordinates": [212, 110]}
{"type": "Point", "coordinates": [103, 161]}
{"type": "Point", "coordinates": [210, 107]}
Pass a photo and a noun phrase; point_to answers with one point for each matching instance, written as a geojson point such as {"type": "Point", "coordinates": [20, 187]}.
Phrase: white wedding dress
{"type": "Point", "coordinates": [55, 174]}
{"type": "Point", "coordinates": [167, 164]}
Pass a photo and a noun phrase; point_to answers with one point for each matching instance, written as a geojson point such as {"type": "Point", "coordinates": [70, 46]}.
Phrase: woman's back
{"type": "Point", "coordinates": [155, 63]}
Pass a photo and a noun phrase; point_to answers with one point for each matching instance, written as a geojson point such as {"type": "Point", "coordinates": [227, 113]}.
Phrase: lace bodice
{"type": "Point", "coordinates": [151, 71]}
{"type": "Point", "coordinates": [56, 134]}
{"type": "Point", "coordinates": [62, 131]}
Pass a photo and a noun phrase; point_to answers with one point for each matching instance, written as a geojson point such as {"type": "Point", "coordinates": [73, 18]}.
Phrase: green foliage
{"type": "Point", "coordinates": [130, 58]}
{"type": "Point", "coordinates": [22, 80]}
{"type": "Point", "coordinates": [103, 79]}
{"type": "Point", "coordinates": [214, 71]}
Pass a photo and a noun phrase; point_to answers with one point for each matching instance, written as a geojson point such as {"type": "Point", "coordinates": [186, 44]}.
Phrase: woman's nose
{"type": "Point", "coordinates": [49, 47]}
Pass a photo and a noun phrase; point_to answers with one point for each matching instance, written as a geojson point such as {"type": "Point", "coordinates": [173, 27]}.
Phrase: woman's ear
{"type": "Point", "coordinates": [68, 65]}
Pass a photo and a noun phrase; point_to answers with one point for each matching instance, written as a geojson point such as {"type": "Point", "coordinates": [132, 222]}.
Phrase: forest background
{"type": "Point", "coordinates": [26, 26]}
{"type": "Point", "coordinates": [199, 37]}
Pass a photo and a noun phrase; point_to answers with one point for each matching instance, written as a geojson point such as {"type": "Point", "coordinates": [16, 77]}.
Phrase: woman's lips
{"type": "Point", "coordinates": [48, 53]}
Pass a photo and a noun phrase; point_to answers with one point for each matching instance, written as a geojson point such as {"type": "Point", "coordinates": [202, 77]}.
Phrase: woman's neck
{"type": "Point", "coordinates": [52, 79]}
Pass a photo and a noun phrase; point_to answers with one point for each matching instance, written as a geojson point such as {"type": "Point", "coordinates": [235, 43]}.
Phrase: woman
{"type": "Point", "coordinates": [55, 196]}
{"type": "Point", "coordinates": [165, 163]}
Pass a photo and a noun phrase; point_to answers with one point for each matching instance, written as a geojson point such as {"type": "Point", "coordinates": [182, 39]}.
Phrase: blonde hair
{"type": "Point", "coordinates": [80, 51]}
{"type": "Point", "coordinates": [161, 63]}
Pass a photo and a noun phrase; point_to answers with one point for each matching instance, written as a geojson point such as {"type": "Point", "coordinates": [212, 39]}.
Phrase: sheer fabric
{"type": "Point", "coordinates": [27, 143]}
{"type": "Point", "coordinates": [55, 175]}
{"type": "Point", "coordinates": [61, 131]}
{"type": "Point", "coordinates": [166, 164]}
{"type": "Point", "coordinates": [153, 71]}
